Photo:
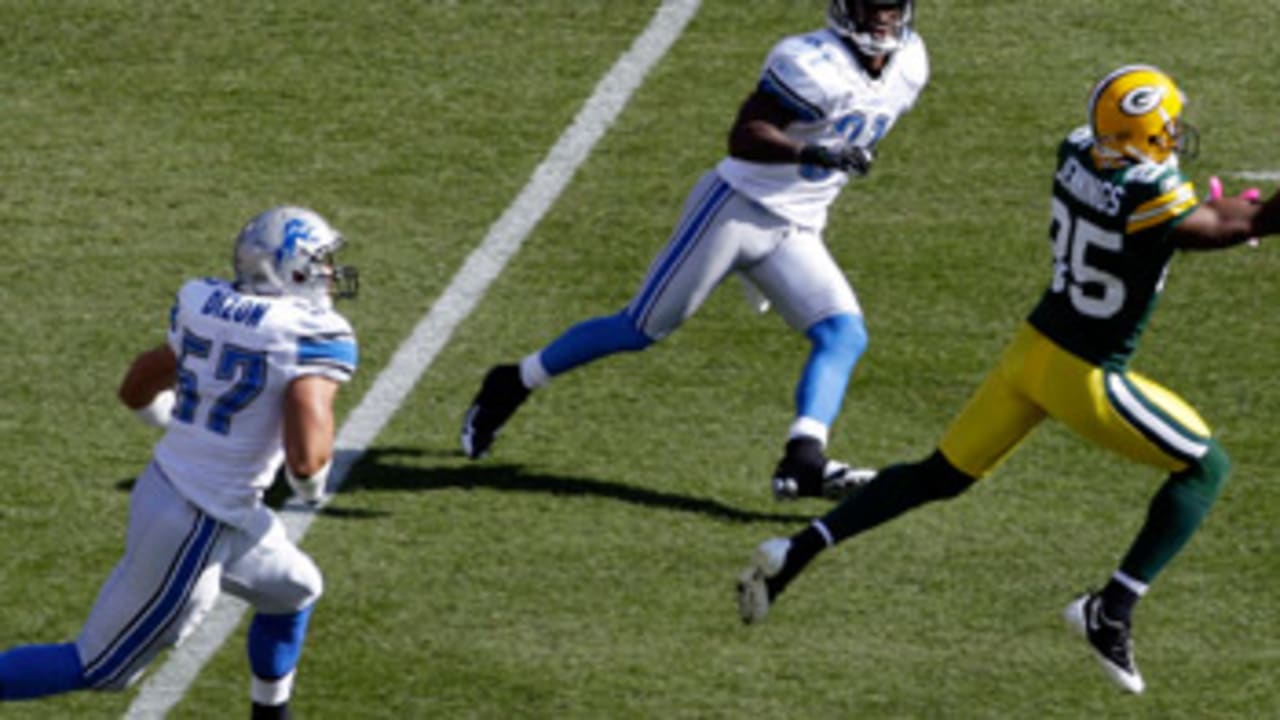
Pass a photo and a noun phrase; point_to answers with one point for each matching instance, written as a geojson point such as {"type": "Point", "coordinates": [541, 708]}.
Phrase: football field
{"type": "Point", "coordinates": [585, 570]}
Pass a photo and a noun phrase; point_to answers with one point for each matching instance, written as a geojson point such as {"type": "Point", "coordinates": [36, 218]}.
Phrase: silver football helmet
{"type": "Point", "coordinates": [288, 250]}
{"type": "Point", "coordinates": [854, 21]}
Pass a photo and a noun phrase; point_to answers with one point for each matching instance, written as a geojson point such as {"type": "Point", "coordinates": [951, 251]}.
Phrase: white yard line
{"type": "Point", "coordinates": [1260, 175]}
{"type": "Point", "coordinates": [167, 684]}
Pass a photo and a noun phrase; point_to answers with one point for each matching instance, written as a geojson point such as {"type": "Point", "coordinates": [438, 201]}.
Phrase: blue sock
{"type": "Point", "coordinates": [838, 342]}
{"type": "Point", "coordinates": [32, 671]}
{"type": "Point", "coordinates": [591, 340]}
{"type": "Point", "coordinates": [275, 642]}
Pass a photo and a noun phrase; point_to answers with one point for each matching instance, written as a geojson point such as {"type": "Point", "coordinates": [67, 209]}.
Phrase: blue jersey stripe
{"type": "Point", "coordinates": [774, 85]}
{"type": "Point", "coordinates": [338, 352]}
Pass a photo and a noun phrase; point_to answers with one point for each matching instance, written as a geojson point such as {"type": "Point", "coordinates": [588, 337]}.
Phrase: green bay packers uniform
{"type": "Point", "coordinates": [1110, 234]}
{"type": "Point", "coordinates": [1117, 202]}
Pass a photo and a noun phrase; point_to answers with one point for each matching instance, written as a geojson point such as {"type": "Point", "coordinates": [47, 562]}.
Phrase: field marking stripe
{"type": "Point", "coordinates": [166, 686]}
{"type": "Point", "coordinates": [1260, 175]}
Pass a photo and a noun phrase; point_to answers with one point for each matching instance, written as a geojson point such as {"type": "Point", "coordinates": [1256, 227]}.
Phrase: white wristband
{"type": "Point", "coordinates": [310, 490]}
{"type": "Point", "coordinates": [157, 414]}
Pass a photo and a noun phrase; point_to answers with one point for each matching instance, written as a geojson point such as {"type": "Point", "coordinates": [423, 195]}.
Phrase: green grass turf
{"type": "Point", "coordinates": [585, 570]}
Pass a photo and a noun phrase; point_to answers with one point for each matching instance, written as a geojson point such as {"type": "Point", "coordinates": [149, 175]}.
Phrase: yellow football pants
{"type": "Point", "coordinates": [1121, 411]}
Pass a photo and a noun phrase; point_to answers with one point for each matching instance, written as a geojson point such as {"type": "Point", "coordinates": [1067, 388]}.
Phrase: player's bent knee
{"type": "Point", "coordinates": [1208, 474]}
{"type": "Point", "coordinates": [309, 586]}
{"type": "Point", "coordinates": [844, 335]}
{"type": "Point", "coordinates": [627, 335]}
{"type": "Point", "coordinates": [944, 480]}
{"type": "Point", "coordinates": [296, 590]}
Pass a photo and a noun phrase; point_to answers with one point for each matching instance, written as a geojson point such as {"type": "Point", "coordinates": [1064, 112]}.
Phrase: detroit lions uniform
{"type": "Point", "coordinates": [237, 354]}
{"type": "Point", "coordinates": [837, 102]}
{"type": "Point", "coordinates": [834, 94]}
{"type": "Point", "coordinates": [1110, 235]}
{"type": "Point", "coordinates": [766, 220]}
{"type": "Point", "coordinates": [197, 524]}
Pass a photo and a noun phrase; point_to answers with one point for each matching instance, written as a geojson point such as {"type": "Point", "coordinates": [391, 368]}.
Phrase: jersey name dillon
{"type": "Point", "coordinates": [237, 354]}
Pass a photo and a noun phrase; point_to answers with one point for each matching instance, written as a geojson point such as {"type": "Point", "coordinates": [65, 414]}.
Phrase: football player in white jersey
{"type": "Point", "coordinates": [823, 101]}
{"type": "Point", "coordinates": [245, 381]}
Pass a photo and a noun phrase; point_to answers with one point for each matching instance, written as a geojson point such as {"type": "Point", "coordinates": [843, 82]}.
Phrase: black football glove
{"type": "Point", "coordinates": [852, 159]}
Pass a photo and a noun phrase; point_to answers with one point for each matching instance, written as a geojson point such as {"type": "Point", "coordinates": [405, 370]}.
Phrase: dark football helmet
{"type": "Point", "coordinates": [855, 21]}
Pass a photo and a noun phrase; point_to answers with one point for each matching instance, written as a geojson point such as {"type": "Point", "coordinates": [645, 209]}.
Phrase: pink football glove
{"type": "Point", "coordinates": [1253, 195]}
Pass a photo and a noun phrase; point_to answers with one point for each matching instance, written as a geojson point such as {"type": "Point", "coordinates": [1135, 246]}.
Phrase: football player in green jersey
{"type": "Point", "coordinates": [1120, 208]}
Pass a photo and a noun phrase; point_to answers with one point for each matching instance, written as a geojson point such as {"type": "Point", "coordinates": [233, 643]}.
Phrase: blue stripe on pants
{"type": "Point", "coordinates": [678, 248]}
{"type": "Point", "coordinates": [142, 632]}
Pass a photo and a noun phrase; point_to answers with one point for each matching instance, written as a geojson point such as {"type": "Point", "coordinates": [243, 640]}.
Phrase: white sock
{"type": "Point", "coordinates": [808, 427]}
{"type": "Point", "coordinates": [272, 692]}
{"type": "Point", "coordinates": [1138, 587]}
{"type": "Point", "coordinates": [532, 373]}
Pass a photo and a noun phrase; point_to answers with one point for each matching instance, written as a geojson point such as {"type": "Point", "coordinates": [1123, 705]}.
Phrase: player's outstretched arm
{"type": "Point", "coordinates": [1226, 221]}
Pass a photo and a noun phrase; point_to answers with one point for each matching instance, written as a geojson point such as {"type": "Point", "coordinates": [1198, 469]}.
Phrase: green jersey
{"type": "Point", "coordinates": [1110, 231]}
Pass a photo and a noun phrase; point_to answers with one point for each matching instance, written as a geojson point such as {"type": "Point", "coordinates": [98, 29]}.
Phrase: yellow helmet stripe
{"type": "Point", "coordinates": [1163, 208]}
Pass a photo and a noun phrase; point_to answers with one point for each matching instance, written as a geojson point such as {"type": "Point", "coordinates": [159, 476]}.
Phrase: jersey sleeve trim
{"type": "Point", "coordinates": [336, 352]}
{"type": "Point", "coordinates": [774, 85]}
{"type": "Point", "coordinates": [1162, 208]}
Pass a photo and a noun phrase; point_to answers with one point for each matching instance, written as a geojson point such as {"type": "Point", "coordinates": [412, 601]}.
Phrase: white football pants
{"type": "Point", "coordinates": [177, 559]}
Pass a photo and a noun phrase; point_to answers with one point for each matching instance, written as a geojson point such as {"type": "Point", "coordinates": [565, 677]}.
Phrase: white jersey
{"type": "Point", "coordinates": [837, 103]}
{"type": "Point", "coordinates": [237, 353]}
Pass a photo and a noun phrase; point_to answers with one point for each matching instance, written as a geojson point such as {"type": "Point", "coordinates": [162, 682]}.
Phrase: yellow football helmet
{"type": "Point", "coordinates": [1136, 116]}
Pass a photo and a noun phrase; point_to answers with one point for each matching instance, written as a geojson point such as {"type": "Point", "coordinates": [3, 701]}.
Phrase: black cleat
{"type": "Point", "coordinates": [806, 471]}
{"type": "Point", "coordinates": [1110, 640]}
{"type": "Point", "coordinates": [500, 395]}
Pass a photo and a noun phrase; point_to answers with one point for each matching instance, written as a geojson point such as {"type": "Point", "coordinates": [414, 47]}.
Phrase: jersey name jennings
{"type": "Point", "coordinates": [1110, 234]}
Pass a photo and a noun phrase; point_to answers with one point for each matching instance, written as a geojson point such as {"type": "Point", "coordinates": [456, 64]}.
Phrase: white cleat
{"type": "Point", "coordinates": [753, 589]}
